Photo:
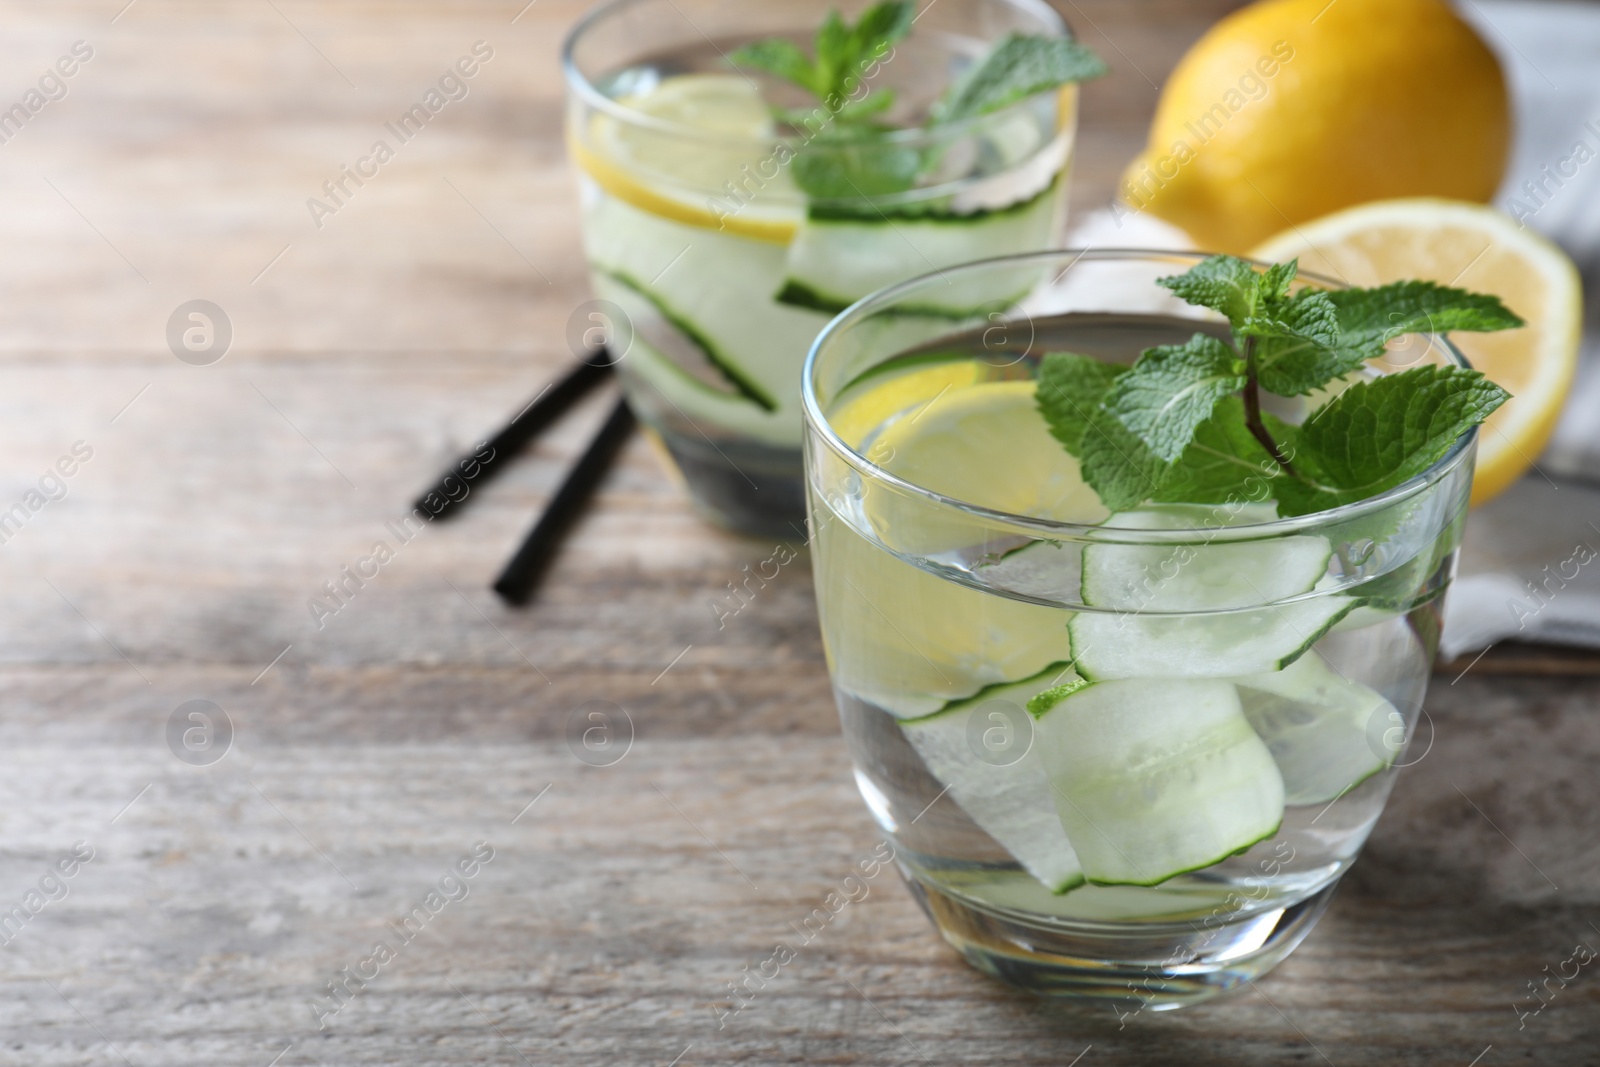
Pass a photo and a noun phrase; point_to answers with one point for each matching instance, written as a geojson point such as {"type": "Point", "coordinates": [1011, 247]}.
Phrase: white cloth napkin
{"type": "Point", "coordinates": [1530, 570]}
{"type": "Point", "coordinates": [1530, 566]}
{"type": "Point", "coordinates": [1548, 51]}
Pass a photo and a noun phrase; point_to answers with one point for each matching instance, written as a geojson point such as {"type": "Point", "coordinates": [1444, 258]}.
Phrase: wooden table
{"type": "Point", "coordinates": [370, 755]}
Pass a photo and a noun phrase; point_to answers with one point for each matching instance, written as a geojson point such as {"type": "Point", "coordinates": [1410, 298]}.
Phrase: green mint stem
{"type": "Point", "coordinates": [1252, 412]}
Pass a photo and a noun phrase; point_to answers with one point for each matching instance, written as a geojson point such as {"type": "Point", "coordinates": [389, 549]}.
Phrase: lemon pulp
{"type": "Point", "coordinates": [1478, 248]}
{"type": "Point", "coordinates": [697, 133]}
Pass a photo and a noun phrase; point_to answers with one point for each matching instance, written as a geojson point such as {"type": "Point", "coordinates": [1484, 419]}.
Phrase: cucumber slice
{"type": "Point", "coordinates": [1007, 795]}
{"type": "Point", "coordinates": [675, 340]}
{"type": "Point", "coordinates": [712, 410]}
{"type": "Point", "coordinates": [1328, 734]}
{"type": "Point", "coordinates": [1058, 675]}
{"type": "Point", "coordinates": [1155, 778]}
{"type": "Point", "coordinates": [715, 289]}
{"type": "Point", "coordinates": [839, 256]}
{"type": "Point", "coordinates": [1364, 616]}
{"type": "Point", "coordinates": [1110, 645]}
{"type": "Point", "coordinates": [1202, 577]}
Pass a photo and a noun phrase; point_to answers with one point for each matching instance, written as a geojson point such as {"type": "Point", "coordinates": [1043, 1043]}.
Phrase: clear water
{"type": "Point", "coordinates": [909, 632]}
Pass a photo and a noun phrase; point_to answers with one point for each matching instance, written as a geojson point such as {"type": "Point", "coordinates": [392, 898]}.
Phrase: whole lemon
{"type": "Point", "coordinates": [1287, 110]}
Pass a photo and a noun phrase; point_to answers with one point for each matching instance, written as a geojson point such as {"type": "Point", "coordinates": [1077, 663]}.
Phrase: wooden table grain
{"type": "Point", "coordinates": [161, 912]}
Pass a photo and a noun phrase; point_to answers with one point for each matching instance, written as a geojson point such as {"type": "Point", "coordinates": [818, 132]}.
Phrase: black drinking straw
{"type": "Point", "coordinates": [454, 486]}
{"type": "Point", "coordinates": [521, 576]}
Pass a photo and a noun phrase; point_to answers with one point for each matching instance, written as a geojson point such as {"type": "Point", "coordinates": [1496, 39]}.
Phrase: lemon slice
{"type": "Point", "coordinates": [866, 411]}
{"type": "Point", "coordinates": [988, 445]}
{"type": "Point", "coordinates": [982, 444]}
{"type": "Point", "coordinates": [906, 639]}
{"type": "Point", "coordinates": [1471, 247]}
{"type": "Point", "coordinates": [703, 152]}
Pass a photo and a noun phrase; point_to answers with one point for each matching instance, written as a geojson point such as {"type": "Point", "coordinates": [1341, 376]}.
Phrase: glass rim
{"type": "Point", "coordinates": [586, 90]}
{"type": "Point", "coordinates": [818, 422]}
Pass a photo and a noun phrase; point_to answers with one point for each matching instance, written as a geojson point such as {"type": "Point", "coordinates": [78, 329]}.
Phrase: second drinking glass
{"type": "Point", "coordinates": [727, 216]}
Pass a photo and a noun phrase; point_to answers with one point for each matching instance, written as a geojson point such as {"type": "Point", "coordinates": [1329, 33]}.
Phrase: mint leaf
{"type": "Point", "coordinates": [1222, 283]}
{"type": "Point", "coordinates": [843, 53]}
{"type": "Point", "coordinates": [1275, 281]}
{"type": "Point", "coordinates": [874, 103]}
{"type": "Point", "coordinates": [1297, 346]}
{"type": "Point", "coordinates": [1379, 433]}
{"type": "Point", "coordinates": [845, 155]}
{"type": "Point", "coordinates": [782, 59]}
{"type": "Point", "coordinates": [1114, 462]}
{"type": "Point", "coordinates": [1172, 389]}
{"type": "Point", "coordinates": [1017, 67]}
{"type": "Point", "coordinates": [835, 50]}
{"type": "Point", "coordinates": [1117, 465]}
{"type": "Point", "coordinates": [1223, 464]}
{"type": "Point", "coordinates": [1369, 318]}
{"type": "Point", "coordinates": [1319, 336]}
{"type": "Point", "coordinates": [1303, 342]}
{"type": "Point", "coordinates": [851, 167]}
{"type": "Point", "coordinates": [1070, 390]}
{"type": "Point", "coordinates": [879, 27]}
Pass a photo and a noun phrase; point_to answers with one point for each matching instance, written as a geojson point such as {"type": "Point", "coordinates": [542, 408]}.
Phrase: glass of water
{"type": "Point", "coordinates": [715, 269]}
{"type": "Point", "coordinates": [1124, 757]}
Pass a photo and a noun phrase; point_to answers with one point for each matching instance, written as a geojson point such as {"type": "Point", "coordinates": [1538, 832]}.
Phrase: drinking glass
{"type": "Point", "coordinates": [1176, 827]}
{"type": "Point", "coordinates": [713, 271]}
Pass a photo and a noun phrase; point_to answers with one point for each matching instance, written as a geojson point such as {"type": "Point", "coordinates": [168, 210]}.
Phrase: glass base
{"type": "Point", "coordinates": [1126, 969]}
{"type": "Point", "coordinates": [748, 488]}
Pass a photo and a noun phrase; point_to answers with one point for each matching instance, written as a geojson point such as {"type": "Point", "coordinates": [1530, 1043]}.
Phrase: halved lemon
{"type": "Point", "coordinates": [1471, 247]}
{"type": "Point", "coordinates": [702, 151]}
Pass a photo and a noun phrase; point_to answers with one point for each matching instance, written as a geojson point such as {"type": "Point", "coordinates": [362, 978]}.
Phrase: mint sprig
{"type": "Point", "coordinates": [842, 55]}
{"type": "Point", "coordinates": [1017, 67]}
{"type": "Point", "coordinates": [1187, 424]}
{"type": "Point", "coordinates": [847, 153]}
